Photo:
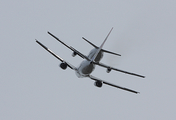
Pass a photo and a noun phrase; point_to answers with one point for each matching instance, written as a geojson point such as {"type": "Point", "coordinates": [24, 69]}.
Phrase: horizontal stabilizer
{"type": "Point", "coordinates": [89, 42]}
{"type": "Point", "coordinates": [110, 52]}
{"type": "Point", "coordinates": [101, 49]}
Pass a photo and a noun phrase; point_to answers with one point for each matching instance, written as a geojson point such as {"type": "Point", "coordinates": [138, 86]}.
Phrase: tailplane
{"type": "Point", "coordinates": [103, 50]}
{"type": "Point", "coordinates": [89, 42]}
{"type": "Point", "coordinates": [110, 52]}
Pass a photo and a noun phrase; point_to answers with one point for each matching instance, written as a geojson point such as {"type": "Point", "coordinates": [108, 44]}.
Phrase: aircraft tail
{"type": "Point", "coordinates": [103, 50]}
{"type": "Point", "coordinates": [100, 48]}
{"type": "Point", "coordinates": [110, 52]}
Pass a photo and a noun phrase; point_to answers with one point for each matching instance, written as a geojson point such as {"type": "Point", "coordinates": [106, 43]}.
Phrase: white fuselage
{"type": "Point", "coordinates": [86, 67]}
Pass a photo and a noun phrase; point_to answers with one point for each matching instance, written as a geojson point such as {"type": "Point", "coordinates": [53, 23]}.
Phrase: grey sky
{"type": "Point", "coordinates": [33, 87]}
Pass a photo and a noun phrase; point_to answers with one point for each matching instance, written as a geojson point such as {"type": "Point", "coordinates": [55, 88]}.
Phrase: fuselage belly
{"type": "Point", "coordinates": [86, 67]}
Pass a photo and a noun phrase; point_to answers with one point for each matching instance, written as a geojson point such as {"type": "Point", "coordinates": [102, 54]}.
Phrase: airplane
{"type": "Point", "coordinates": [88, 65]}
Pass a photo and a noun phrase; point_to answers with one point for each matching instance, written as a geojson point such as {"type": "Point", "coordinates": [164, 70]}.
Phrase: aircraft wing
{"type": "Point", "coordinates": [109, 67]}
{"type": "Point", "coordinates": [107, 83]}
{"type": "Point", "coordinates": [62, 60]}
{"type": "Point", "coordinates": [70, 47]}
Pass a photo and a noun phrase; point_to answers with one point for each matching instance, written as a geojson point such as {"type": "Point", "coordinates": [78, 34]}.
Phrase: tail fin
{"type": "Point", "coordinates": [103, 50]}
{"type": "Point", "coordinates": [100, 48]}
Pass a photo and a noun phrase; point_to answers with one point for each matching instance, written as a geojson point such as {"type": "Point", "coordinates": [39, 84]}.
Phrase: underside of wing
{"type": "Point", "coordinates": [112, 68]}
{"type": "Point", "coordinates": [62, 60]}
{"type": "Point", "coordinates": [75, 52]}
{"type": "Point", "coordinates": [107, 83]}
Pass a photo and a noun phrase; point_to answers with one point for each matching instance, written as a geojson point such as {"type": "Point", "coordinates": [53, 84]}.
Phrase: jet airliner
{"type": "Point", "coordinates": [88, 65]}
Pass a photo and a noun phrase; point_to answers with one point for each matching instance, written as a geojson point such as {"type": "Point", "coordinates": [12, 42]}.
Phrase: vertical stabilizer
{"type": "Point", "coordinates": [99, 49]}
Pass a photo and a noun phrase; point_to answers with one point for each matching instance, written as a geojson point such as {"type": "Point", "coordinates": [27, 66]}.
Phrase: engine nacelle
{"type": "Point", "coordinates": [74, 54]}
{"type": "Point", "coordinates": [63, 65]}
{"type": "Point", "coordinates": [108, 70]}
{"type": "Point", "coordinates": [98, 84]}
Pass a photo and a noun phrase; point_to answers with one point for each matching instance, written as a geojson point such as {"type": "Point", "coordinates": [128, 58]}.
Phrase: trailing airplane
{"type": "Point", "coordinates": [88, 65]}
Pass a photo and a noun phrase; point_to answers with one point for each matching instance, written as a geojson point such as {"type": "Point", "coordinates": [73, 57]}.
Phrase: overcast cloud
{"type": "Point", "coordinates": [33, 87]}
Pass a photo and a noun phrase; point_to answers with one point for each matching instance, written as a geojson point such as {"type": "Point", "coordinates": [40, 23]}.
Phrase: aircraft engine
{"type": "Point", "coordinates": [98, 84]}
{"type": "Point", "coordinates": [74, 54]}
{"type": "Point", "coordinates": [63, 66]}
{"type": "Point", "coordinates": [108, 70]}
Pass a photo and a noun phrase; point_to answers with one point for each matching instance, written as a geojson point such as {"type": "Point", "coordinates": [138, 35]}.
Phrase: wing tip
{"type": "Point", "coordinates": [143, 76]}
